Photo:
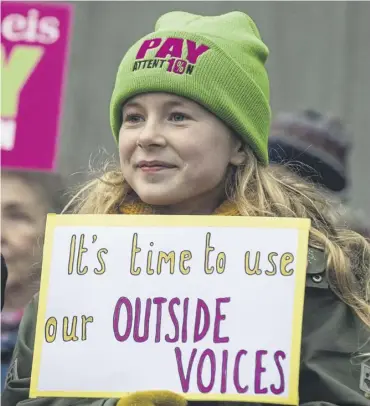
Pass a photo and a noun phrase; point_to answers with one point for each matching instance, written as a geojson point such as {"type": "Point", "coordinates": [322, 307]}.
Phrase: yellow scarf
{"type": "Point", "coordinates": [227, 208]}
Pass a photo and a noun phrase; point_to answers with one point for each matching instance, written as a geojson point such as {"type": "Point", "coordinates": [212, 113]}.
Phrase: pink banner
{"type": "Point", "coordinates": [34, 55]}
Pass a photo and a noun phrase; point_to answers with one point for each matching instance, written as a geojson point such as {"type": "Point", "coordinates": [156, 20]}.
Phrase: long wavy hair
{"type": "Point", "coordinates": [271, 191]}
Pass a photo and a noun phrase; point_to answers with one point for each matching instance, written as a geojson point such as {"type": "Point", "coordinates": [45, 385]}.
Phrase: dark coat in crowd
{"type": "Point", "coordinates": [4, 277]}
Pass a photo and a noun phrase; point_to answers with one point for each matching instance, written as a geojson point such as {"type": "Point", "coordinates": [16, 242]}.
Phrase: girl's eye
{"type": "Point", "coordinates": [178, 117]}
{"type": "Point", "coordinates": [133, 118]}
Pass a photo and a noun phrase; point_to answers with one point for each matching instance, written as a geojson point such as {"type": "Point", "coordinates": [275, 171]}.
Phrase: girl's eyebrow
{"type": "Point", "coordinates": [174, 103]}
{"type": "Point", "coordinates": [131, 104]}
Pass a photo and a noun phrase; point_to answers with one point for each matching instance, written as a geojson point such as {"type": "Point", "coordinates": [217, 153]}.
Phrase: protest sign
{"type": "Point", "coordinates": [34, 48]}
{"type": "Point", "coordinates": [206, 306]}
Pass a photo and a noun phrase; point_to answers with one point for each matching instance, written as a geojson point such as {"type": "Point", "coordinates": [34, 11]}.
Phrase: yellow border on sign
{"type": "Point", "coordinates": [111, 220]}
{"type": "Point", "coordinates": [41, 311]}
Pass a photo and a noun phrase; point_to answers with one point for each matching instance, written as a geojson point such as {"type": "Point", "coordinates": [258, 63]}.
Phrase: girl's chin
{"type": "Point", "coordinates": [158, 200]}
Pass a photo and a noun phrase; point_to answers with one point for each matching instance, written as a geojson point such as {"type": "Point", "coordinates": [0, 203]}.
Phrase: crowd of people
{"type": "Point", "coordinates": [228, 157]}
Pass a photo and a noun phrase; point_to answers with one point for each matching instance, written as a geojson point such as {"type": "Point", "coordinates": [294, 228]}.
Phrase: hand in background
{"type": "Point", "coordinates": [153, 398]}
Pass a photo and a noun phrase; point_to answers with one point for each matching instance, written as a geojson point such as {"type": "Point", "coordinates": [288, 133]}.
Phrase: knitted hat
{"type": "Point", "coordinates": [317, 141]}
{"type": "Point", "coordinates": [217, 62]}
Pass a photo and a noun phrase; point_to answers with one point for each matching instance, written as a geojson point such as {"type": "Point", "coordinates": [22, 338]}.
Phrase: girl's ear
{"type": "Point", "coordinates": [238, 155]}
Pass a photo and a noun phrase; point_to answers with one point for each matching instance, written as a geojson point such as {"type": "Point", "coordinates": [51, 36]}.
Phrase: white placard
{"type": "Point", "coordinates": [206, 306]}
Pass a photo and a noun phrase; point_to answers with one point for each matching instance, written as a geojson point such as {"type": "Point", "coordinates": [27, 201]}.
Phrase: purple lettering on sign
{"type": "Point", "coordinates": [258, 372]}
{"type": "Point", "coordinates": [174, 301]}
{"type": "Point", "coordinates": [184, 379]}
{"type": "Point", "coordinates": [212, 359]}
{"type": "Point", "coordinates": [237, 385]}
{"type": "Point", "coordinates": [202, 308]}
{"type": "Point", "coordinates": [278, 390]}
{"type": "Point", "coordinates": [218, 318]}
{"type": "Point", "coordinates": [193, 52]}
{"type": "Point", "coordinates": [146, 45]}
{"type": "Point", "coordinates": [184, 332]}
{"type": "Point", "coordinates": [116, 317]}
{"type": "Point", "coordinates": [136, 334]}
{"type": "Point", "coordinates": [159, 301]}
{"type": "Point", "coordinates": [225, 356]}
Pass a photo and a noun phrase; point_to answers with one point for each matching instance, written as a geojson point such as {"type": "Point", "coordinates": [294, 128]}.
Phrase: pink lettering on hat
{"type": "Point", "coordinates": [171, 47]}
{"type": "Point", "coordinates": [170, 50]}
{"type": "Point", "coordinates": [146, 45]}
{"type": "Point", "coordinates": [194, 52]}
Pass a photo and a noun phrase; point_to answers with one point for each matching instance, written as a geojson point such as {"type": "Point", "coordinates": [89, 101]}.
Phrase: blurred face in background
{"type": "Point", "coordinates": [23, 214]}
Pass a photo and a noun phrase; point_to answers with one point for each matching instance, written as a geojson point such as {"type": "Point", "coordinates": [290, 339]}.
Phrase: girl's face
{"type": "Point", "coordinates": [174, 153]}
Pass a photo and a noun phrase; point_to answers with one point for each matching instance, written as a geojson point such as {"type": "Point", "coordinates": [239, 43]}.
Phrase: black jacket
{"type": "Point", "coordinates": [4, 277]}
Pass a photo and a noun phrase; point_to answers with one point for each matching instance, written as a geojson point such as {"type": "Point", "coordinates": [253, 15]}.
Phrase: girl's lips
{"type": "Point", "coordinates": [154, 168]}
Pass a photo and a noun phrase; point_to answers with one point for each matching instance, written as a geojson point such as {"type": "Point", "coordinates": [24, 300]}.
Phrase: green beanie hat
{"type": "Point", "coordinates": [217, 62]}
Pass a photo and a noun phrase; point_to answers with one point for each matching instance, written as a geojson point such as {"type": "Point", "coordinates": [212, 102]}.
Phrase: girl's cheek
{"type": "Point", "coordinates": [127, 145]}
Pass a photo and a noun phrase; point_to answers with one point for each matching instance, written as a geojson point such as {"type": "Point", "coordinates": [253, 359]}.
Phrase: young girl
{"type": "Point", "coordinates": [190, 112]}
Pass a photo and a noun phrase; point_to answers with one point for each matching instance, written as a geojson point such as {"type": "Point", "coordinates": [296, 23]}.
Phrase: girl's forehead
{"type": "Point", "coordinates": [148, 99]}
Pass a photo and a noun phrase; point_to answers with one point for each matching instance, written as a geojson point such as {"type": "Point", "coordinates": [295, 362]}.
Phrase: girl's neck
{"type": "Point", "coordinates": [221, 208]}
{"type": "Point", "coordinates": [204, 204]}
{"type": "Point", "coordinates": [195, 207]}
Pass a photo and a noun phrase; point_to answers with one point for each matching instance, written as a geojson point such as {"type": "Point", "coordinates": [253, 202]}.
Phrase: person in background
{"type": "Point", "coordinates": [316, 147]}
{"type": "Point", "coordinates": [4, 278]}
{"type": "Point", "coordinates": [193, 139]}
{"type": "Point", "coordinates": [26, 198]}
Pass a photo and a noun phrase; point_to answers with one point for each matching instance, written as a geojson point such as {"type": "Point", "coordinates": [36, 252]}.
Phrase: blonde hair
{"type": "Point", "coordinates": [268, 191]}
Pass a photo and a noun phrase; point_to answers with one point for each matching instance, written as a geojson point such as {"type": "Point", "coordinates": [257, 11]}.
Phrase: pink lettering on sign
{"type": "Point", "coordinates": [276, 390]}
{"type": "Point", "coordinates": [220, 369]}
{"type": "Point", "coordinates": [34, 48]}
{"type": "Point", "coordinates": [238, 386]}
{"type": "Point", "coordinates": [259, 371]}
